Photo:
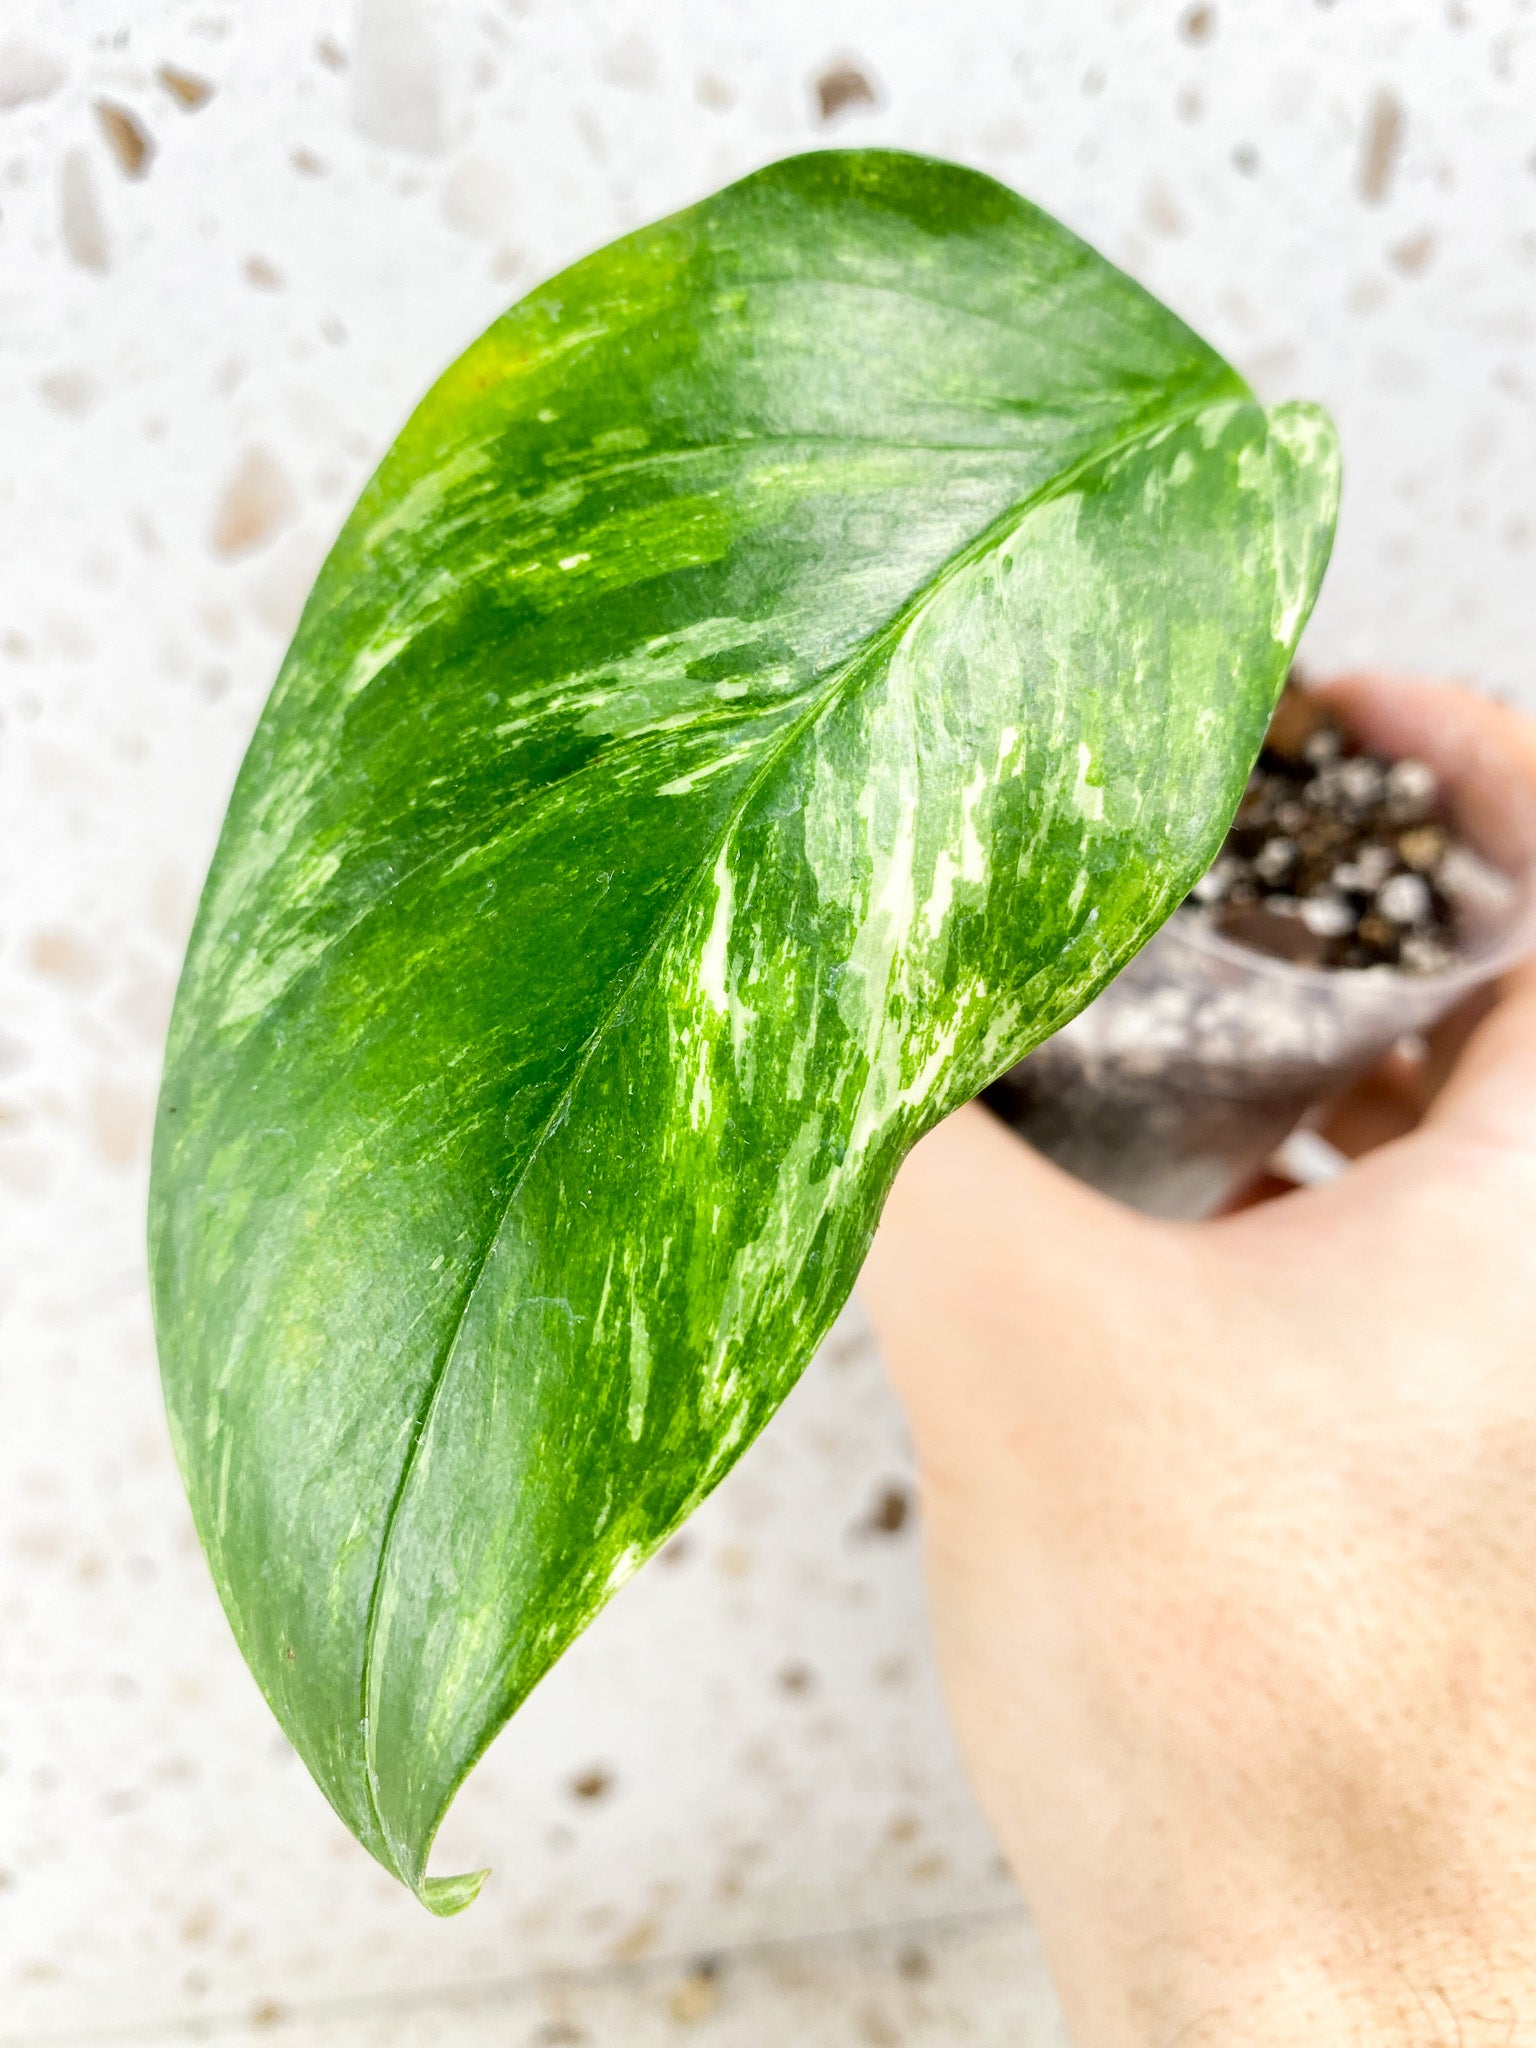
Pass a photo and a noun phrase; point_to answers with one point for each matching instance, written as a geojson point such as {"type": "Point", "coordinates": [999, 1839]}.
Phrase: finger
{"type": "Point", "coordinates": [1383, 1106]}
{"type": "Point", "coordinates": [971, 1200]}
{"type": "Point", "coordinates": [1386, 1104]}
{"type": "Point", "coordinates": [1265, 1187]}
{"type": "Point", "coordinates": [982, 1262]}
{"type": "Point", "coordinates": [1481, 1081]}
{"type": "Point", "coordinates": [1484, 750]}
{"type": "Point", "coordinates": [1392, 1099]}
{"type": "Point", "coordinates": [1477, 1085]}
{"type": "Point", "coordinates": [1444, 1045]}
{"type": "Point", "coordinates": [1489, 1099]}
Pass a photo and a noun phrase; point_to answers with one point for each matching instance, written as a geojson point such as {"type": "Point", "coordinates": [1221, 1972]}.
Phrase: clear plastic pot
{"type": "Point", "coordinates": [1173, 1088]}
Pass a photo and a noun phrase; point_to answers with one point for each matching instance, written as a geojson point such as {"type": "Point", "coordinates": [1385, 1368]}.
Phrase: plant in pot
{"type": "Point", "coordinates": [779, 674]}
{"type": "Point", "coordinates": [1377, 872]}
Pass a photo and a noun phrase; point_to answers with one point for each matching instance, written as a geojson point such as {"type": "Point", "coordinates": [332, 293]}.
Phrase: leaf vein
{"type": "Point", "coordinates": [887, 633]}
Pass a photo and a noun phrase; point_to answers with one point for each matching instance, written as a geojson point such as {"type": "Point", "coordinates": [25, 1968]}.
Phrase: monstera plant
{"type": "Point", "coordinates": [778, 675]}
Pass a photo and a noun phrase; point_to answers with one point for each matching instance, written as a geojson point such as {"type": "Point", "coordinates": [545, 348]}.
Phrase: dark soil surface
{"type": "Point", "coordinates": [1337, 857]}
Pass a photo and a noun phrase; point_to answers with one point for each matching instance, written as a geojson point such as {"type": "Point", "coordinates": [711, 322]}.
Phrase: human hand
{"type": "Point", "coordinates": [1231, 1539]}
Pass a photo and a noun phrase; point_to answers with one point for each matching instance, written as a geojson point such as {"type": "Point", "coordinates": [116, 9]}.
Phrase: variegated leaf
{"type": "Point", "coordinates": [776, 677]}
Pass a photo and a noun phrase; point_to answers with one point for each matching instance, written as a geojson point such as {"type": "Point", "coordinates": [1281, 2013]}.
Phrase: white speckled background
{"type": "Point", "coordinates": [746, 1760]}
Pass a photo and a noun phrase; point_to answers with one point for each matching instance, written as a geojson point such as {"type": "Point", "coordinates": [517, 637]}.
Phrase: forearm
{"type": "Point", "coordinates": [1239, 1814]}
{"type": "Point", "coordinates": [1278, 1982]}
{"type": "Point", "coordinates": [1179, 1909]}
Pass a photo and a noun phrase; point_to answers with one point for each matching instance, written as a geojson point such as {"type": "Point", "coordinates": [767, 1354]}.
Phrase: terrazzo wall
{"type": "Point", "coordinates": [236, 242]}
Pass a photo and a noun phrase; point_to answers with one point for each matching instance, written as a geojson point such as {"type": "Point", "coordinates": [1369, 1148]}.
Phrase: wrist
{"type": "Point", "coordinates": [1428, 1987]}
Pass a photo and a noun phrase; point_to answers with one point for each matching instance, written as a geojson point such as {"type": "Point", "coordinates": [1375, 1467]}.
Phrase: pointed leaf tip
{"type": "Point", "coordinates": [446, 1896]}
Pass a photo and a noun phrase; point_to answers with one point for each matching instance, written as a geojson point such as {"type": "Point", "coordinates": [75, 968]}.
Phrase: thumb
{"type": "Point", "coordinates": [987, 1270]}
{"type": "Point", "coordinates": [1486, 752]}
{"type": "Point", "coordinates": [1488, 1102]}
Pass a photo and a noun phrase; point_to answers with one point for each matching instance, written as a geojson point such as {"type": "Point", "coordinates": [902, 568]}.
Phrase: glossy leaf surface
{"type": "Point", "coordinates": [777, 676]}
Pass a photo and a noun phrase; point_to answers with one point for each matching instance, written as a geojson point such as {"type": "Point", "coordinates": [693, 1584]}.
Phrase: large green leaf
{"type": "Point", "coordinates": [776, 677]}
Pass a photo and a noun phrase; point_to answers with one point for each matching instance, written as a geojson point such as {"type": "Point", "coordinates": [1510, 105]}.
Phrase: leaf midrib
{"type": "Point", "coordinates": [889, 632]}
{"type": "Point", "coordinates": [643, 460]}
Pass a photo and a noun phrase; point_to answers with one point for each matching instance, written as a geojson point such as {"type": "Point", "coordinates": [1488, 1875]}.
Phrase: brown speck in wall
{"type": "Point", "coordinates": [1366, 294]}
{"type": "Point", "coordinates": [1198, 24]}
{"type": "Point", "coordinates": [877, 2029]}
{"type": "Point", "coordinates": [844, 1347]}
{"type": "Point", "coordinates": [63, 957]}
{"type": "Point", "coordinates": [715, 92]}
{"type": "Point", "coordinates": [185, 87]}
{"type": "Point", "coordinates": [841, 87]}
{"type": "Point", "coordinates": [560, 2034]}
{"type": "Point", "coordinates": [264, 275]}
{"type": "Point", "coordinates": [697, 1996]}
{"type": "Point", "coordinates": [1413, 255]}
{"type": "Point", "coordinates": [639, 1941]}
{"type": "Point", "coordinates": [80, 218]}
{"type": "Point", "coordinates": [331, 54]}
{"type": "Point", "coordinates": [27, 73]}
{"type": "Point", "coordinates": [127, 138]}
{"type": "Point", "coordinates": [120, 1122]}
{"type": "Point", "coordinates": [398, 84]}
{"type": "Point", "coordinates": [306, 163]}
{"type": "Point", "coordinates": [1384, 130]}
{"type": "Point", "coordinates": [797, 1680]}
{"type": "Point", "coordinates": [1160, 210]}
{"type": "Point", "coordinates": [199, 1924]}
{"type": "Point", "coordinates": [595, 1783]}
{"type": "Point", "coordinates": [1245, 159]}
{"type": "Point", "coordinates": [630, 63]}
{"type": "Point", "coordinates": [914, 1963]}
{"type": "Point", "coordinates": [71, 392]}
{"type": "Point", "coordinates": [218, 621]}
{"type": "Point", "coordinates": [258, 500]}
{"type": "Point", "coordinates": [891, 1511]}
{"type": "Point", "coordinates": [266, 2012]}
